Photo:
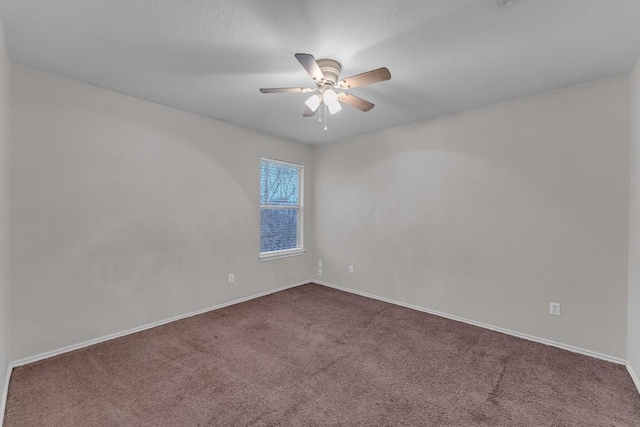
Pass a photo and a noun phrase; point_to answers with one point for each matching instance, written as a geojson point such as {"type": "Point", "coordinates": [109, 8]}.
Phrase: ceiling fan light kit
{"type": "Point", "coordinates": [326, 74]}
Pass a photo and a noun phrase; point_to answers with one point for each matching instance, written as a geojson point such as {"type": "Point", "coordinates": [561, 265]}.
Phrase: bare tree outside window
{"type": "Point", "coordinates": [281, 206]}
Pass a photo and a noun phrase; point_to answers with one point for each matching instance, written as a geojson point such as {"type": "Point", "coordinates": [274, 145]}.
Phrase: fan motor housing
{"type": "Point", "coordinates": [331, 70]}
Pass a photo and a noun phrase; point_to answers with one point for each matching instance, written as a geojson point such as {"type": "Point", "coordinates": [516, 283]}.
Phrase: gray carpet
{"type": "Point", "coordinates": [315, 356]}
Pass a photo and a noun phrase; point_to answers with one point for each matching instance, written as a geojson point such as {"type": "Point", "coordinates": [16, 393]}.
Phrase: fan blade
{"type": "Point", "coordinates": [286, 89]}
{"type": "Point", "coordinates": [308, 112]}
{"type": "Point", "coordinates": [374, 76]}
{"type": "Point", "coordinates": [309, 63]}
{"type": "Point", "coordinates": [355, 102]}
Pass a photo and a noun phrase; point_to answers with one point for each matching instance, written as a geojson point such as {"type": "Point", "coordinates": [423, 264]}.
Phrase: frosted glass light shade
{"type": "Point", "coordinates": [313, 102]}
{"type": "Point", "coordinates": [331, 100]}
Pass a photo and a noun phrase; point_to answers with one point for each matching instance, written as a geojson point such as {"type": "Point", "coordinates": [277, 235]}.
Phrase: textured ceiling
{"type": "Point", "coordinates": [210, 57]}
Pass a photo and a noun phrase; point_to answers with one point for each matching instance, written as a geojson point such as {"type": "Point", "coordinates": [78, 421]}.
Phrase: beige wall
{"type": "Point", "coordinates": [126, 212]}
{"type": "Point", "coordinates": [633, 336]}
{"type": "Point", "coordinates": [5, 333]}
{"type": "Point", "coordinates": [491, 214]}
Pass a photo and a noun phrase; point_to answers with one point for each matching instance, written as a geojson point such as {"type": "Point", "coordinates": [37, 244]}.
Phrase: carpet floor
{"type": "Point", "coordinates": [315, 356]}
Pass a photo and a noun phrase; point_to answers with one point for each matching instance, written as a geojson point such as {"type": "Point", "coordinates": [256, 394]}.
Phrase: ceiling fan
{"type": "Point", "coordinates": [326, 75]}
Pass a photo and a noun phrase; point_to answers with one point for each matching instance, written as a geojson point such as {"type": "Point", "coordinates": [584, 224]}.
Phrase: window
{"type": "Point", "coordinates": [281, 201]}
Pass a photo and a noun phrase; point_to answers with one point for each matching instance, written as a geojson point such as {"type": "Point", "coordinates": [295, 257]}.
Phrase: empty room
{"type": "Point", "coordinates": [338, 213]}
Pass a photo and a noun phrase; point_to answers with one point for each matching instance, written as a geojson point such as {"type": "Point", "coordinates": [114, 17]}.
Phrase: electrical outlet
{"type": "Point", "coordinates": [319, 272]}
{"type": "Point", "coordinates": [319, 263]}
{"type": "Point", "coordinates": [351, 269]}
{"type": "Point", "coordinates": [232, 278]}
{"type": "Point", "coordinates": [554, 308]}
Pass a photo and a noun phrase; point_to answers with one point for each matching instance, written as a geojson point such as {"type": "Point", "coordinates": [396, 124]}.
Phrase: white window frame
{"type": "Point", "coordinates": [299, 249]}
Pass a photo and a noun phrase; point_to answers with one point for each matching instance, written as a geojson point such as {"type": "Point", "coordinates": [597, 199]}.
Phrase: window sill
{"type": "Point", "coordinates": [268, 256]}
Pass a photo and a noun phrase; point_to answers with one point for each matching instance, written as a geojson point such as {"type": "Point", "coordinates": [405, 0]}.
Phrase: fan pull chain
{"type": "Point", "coordinates": [326, 118]}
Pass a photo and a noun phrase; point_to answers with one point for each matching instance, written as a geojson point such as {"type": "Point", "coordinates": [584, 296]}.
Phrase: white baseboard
{"type": "Point", "coordinates": [48, 354]}
{"type": "Point", "coordinates": [5, 393]}
{"type": "Point", "coordinates": [634, 377]}
{"type": "Point", "coordinates": [482, 325]}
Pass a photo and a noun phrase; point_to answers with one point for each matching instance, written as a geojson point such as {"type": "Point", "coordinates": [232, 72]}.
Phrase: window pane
{"type": "Point", "coordinates": [278, 229]}
{"type": "Point", "coordinates": [279, 184]}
